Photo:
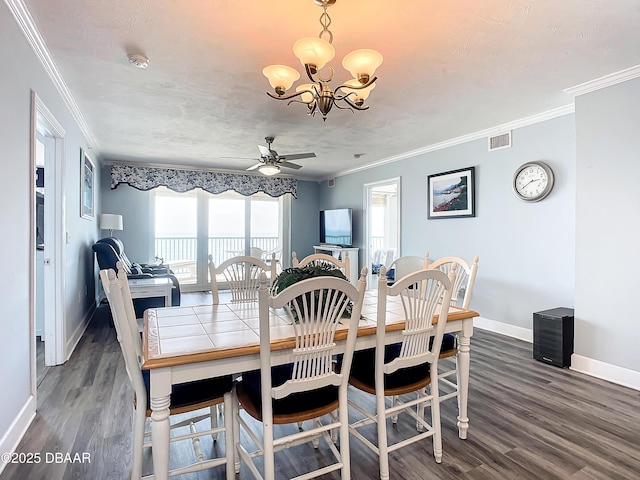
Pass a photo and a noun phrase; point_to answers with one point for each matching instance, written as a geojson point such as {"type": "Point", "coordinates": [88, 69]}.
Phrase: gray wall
{"type": "Point", "coordinates": [137, 206]}
{"type": "Point", "coordinates": [21, 73]}
{"type": "Point", "coordinates": [607, 225]}
{"type": "Point", "coordinates": [304, 219]}
{"type": "Point", "coordinates": [526, 250]}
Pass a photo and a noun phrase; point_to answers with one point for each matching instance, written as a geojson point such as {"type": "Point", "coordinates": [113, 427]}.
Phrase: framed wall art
{"type": "Point", "coordinates": [451, 194]}
{"type": "Point", "coordinates": [87, 180]}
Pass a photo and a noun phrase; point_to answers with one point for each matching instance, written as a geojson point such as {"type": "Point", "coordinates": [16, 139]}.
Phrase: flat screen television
{"type": "Point", "coordinates": [336, 227]}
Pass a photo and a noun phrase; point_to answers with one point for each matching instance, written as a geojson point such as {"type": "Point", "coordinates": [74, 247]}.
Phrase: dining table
{"type": "Point", "coordinates": [189, 343]}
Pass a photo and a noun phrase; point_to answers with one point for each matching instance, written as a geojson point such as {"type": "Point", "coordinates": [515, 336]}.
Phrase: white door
{"type": "Point", "coordinates": [48, 151]}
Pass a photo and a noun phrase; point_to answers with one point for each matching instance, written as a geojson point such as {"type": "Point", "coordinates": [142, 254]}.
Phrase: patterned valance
{"type": "Point", "coordinates": [146, 178]}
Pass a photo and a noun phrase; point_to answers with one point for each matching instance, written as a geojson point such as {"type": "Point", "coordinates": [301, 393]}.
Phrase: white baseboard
{"type": "Point", "coordinates": [589, 366]}
{"type": "Point", "coordinates": [512, 331]}
{"type": "Point", "coordinates": [79, 331]}
{"type": "Point", "coordinates": [17, 429]}
{"type": "Point", "coordinates": [606, 371]}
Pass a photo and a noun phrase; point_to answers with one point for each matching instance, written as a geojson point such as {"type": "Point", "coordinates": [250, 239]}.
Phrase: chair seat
{"type": "Point", "coordinates": [293, 408]}
{"type": "Point", "coordinates": [449, 346]}
{"type": "Point", "coordinates": [363, 369]}
{"type": "Point", "coordinates": [186, 395]}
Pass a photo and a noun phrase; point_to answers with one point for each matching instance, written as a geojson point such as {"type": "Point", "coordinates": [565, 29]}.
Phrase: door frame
{"type": "Point", "coordinates": [367, 189]}
{"type": "Point", "coordinates": [43, 121]}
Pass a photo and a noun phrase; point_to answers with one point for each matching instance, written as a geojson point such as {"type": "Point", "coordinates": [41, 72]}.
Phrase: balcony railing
{"type": "Point", "coordinates": [180, 252]}
{"type": "Point", "coordinates": [377, 243]}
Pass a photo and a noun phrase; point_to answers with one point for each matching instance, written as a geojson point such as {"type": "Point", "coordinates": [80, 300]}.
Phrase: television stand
{"type": "Point", "coordinates": [340, 253]}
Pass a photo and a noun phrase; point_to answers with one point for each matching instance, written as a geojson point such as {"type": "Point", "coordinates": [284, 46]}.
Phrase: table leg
{"type": "Point", "coordinates": [160, 402]}
{"type": "Point", "coordinates": [463, 383]}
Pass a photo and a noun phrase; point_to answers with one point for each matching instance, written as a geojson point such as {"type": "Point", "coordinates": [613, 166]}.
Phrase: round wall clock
{"type": "Point", "coordinates": [532, 181]}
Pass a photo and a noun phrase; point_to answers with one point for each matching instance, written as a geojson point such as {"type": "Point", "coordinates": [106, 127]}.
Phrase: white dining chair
{"type": "Point", "coordinates": [323, 259]}
{"type": "Point", "coordinates": [390, 372]}
{"type": "Point", "coordinates": [309, 388]}
{"type": "Point", "coordinates": [185, 398]}
{"type": "Point", "coordinates": [407, 264]}
{"type": "Point", "coordinates": [463, 286]}
{"type": "Point", "coordinates": [241, 275]}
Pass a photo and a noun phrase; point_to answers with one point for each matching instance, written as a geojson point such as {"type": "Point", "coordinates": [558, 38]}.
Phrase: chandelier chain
{"type": "Point", "coordinates": [325, 21]}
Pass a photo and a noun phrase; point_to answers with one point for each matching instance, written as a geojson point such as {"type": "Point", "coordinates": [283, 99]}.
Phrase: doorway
{"type": "Point", "coordinates": [47, 241]}
{"type": "Point", "coordinates": [382, 226]}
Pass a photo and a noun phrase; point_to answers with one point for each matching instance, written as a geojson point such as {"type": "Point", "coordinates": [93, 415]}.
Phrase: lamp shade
{"type": "Point", "coordinates": [314, 51]}
{"type": "Point", "coordinates": [362, 63]}
{"type": "Point", "coordinates": [358, 94]}
{"type": "Point", "coordinates": [110, 221]}
{"type": "Point", "coordinates": [280, 77]}
{"type": "Point", "coordinates": [269, 169]}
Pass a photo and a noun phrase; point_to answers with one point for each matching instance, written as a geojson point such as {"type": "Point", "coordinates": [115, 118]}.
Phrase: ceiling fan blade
{"type": "Point", "coordinates": [265, 152]}
{"type": "Point", "coordinates": [289, 165]}
{"type": "Point", "coordinates": [297, 156]}
{"type": "Point", "coordinates": [253, 167]}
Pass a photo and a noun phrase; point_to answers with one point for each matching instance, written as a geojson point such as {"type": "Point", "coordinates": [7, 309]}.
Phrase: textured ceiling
{"type": "Point", "coordinates": [450, 69]}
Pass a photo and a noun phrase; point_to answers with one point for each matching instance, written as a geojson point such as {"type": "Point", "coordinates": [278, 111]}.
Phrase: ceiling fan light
{"type": "Point", "coordinates": [281, 77]}
{"type": "Point", "coordinates": [314, 51]}
{"type": "Point", "coordinates": [269, 169]}
{"type": "Point", "coordinates": [359, 95]}
{"type": "Point", "coordinates": [362, 63]}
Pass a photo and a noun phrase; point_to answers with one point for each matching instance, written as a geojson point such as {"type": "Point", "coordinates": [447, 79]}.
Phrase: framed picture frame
{"type": "Point", "coordinates": [87, 183]}
{"type": "Point", "coordinates": [451, 194]}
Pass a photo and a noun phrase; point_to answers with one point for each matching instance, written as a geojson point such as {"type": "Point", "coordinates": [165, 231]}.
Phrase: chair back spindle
{"type": "Point", "coordinates": [241, 275]}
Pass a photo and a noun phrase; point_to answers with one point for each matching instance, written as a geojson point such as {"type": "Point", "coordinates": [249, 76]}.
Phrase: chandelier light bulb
{"type": "Point", "coordinates": [362, 63]}
{"type": "Point", "coordinates": [280, 77]}
{"type": "Point", "coordinates": [314, 51]}
{"type": "Point", "coordinates": [359, 95]}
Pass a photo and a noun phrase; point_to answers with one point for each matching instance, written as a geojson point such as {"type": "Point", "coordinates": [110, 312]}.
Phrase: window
{"type": "Point", "coordinates": [193, 225]}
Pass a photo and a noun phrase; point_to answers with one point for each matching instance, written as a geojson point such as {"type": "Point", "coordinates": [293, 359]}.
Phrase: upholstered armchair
{"type": "Point", "coordinates": [110, 250]}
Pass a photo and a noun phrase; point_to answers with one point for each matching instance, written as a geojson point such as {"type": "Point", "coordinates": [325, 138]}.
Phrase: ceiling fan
{"type": "Point", "coordinates": [270, 162]}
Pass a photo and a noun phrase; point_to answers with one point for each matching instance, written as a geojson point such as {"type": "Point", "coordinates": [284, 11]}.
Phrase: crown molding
{"type": "Point", "coordinates": [604, 82]}
{"type": "Point", "coordinates": [31, 33]}
{"type": "Point", "coordinates": [489, 132]}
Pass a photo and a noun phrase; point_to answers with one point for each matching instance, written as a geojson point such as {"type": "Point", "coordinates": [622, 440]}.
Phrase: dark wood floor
{"type": "Point", "coordinates": [528, 421]}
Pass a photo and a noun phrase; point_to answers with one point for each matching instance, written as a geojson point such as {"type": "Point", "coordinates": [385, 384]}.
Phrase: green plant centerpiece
{"type": "Point", "coordinates": [292, 275]}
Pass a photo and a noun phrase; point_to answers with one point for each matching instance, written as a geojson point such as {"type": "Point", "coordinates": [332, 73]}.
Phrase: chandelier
{"type": "Point", "coordinates": [314, 53]}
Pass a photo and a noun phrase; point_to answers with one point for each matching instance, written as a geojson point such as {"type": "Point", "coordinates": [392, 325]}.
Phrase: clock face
{"type": "Point", "coordinates": [533, 181]}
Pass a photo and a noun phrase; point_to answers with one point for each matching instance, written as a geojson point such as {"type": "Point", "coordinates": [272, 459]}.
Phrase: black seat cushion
{"type": "Point", "coordinates": [292, 404]}
{"type": "Point", "coordinates": [448, 342]}
{"type": "Point", "coordinates": [192, 393]}
{"type": "Point", "coordinates": [364, 361]}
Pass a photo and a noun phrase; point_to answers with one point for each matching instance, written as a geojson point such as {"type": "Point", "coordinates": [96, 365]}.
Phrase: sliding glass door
{"type": "Point", "coordinates": [191, 226]}
{"type": "Point", "coordinates": [176, 232]}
